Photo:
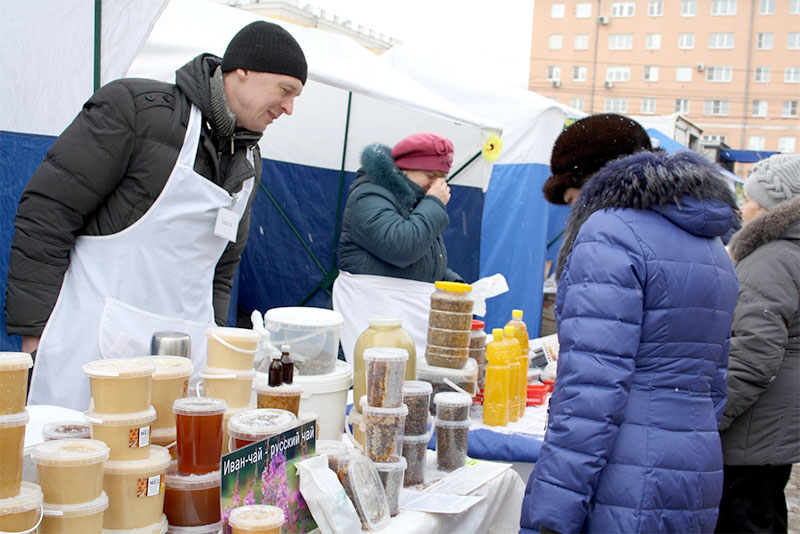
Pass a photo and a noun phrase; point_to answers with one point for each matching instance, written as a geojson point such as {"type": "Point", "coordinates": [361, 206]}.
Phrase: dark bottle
{"type": "Point", "coordinates": [288, 365]}
{"type": "Point", "coordinates": [275, 371]}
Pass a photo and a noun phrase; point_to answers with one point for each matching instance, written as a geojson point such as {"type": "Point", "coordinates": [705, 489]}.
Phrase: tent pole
{"type": "Point", "coordinates": [98, 8]}
{"type": "Point", "coordinates": [464, 166]}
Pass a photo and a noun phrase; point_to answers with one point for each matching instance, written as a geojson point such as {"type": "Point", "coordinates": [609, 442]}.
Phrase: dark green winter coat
{"type": "Point", "coordinates": [390, 227]}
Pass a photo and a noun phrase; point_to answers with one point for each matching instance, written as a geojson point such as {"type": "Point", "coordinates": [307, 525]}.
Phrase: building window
{"type": "Point", "coordinates": [716, 107]}
{"type": "Point", "coordinates": [620, 41]}
{"type": "Point", "coordinates": [681, 105]}
{"type": "Point", "coordinates": [759, 108]}
{"type": "Point", "coordinates": [786, 145]}
{"type": "Point", "coordinates": [756, 142]}
{"type": "Point", "coordinates": [789, 108]}
{"type": "Point", "coordinates": [652, 41]}
{"type": "Point", "coordinates": [793, 41]}
{"type": "Point", "coordinates": [651, 74]}
{"type": "Point", "coordinates": [581, 41]}
{"type": "Point", "coordinates": [683, 74]}
{"type": "Point", "coordinates": [577, 103]}
{"type": "Point", "coordinates": [688, 8]}
{"type": "Point", "coordinates": [794, 7]}
{"type": "Point", "coordinates": [723, 7]}
{"type": "Point", "coordinates": [648, 105]}
{"type": "Point", "coordinates": [791, 75]}
{"type": "Point", "coordinates": [623, 9]}
{"type": "Point", "coordinates": [578, 74]}
{"type": "Point", "coordinates": [762, 74]}
{"type": "Point", "coordinates": [719, 74]}
{"type": "Point", "coordinates": [618, 74]}
{"type": "Point", "coordinates": [583, 10]}
{"type": "Point", "coordinates": [556, 41]}
{"type": "Point", "coordinates": [718, 41]}
{"type": "Point", "coordinates": [686, 41]}
{"type": "Point", "coordinates": [764, 41]}
{"type": "Point", "coordinates": [557, 11]}
{"type": "Point", "coordinates": [714, 138]}
{"type": "Point", "coordinates": [616, 105]}
{"type": "Point", "coordinates": [766, 7]}
{"type": "Point", "coordinates": [553, 74]}
{"type": "Point", "coordinates": [655, 8]}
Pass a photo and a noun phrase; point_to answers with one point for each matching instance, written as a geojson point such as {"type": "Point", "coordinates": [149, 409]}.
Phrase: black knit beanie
{"type": "Point", "coordinates": [586, 146]}
{"type": "Point", "coordinates": [265, 47]}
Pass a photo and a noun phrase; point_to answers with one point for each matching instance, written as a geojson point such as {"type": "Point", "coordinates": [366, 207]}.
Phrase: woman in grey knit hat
{"type": "Point", "coordinates": [760, 428]}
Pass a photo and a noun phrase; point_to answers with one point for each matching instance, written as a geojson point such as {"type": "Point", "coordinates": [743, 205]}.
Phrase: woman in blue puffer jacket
{"type": "Point", "coordinates": [646, 293]}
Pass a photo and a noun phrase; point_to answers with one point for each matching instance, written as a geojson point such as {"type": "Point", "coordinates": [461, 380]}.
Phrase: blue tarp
{"type": "Point", "coordinates": [745, 156]}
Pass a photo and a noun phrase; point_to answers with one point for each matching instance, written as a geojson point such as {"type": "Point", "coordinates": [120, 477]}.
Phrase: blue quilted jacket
{"type": "Point", "coordinates": [644, 307]}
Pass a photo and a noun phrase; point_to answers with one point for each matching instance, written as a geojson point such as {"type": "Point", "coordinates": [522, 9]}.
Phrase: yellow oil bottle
{"type": "Point", "coordinates": [497, 382]}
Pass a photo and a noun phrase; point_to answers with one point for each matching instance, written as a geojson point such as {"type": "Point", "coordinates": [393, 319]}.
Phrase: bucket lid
{"type": "Point", "coordinates": [366, 487]}
{"type": "Point", "coordinates": [416, 388]}
{"type": "Point", "coordinates": [15, 361]}
{"type": "Point", "coordinates": [385, 412]}
{"type": "Point", "coordinates": [452, 424]}
{"type": "Point", "coordinates": [169, 367]}
{"type": "Point", "coordinates": [385, 354]}
{"type": "Point", "coordinates": [168, 434]}
{"type": "Point", "coordinates": [213, 528]}
{"type": "Point", "coordinates": [395, 463]}
{"type": "Point", "coordinates": [384, 320]}
{"type": "Point", "coordinates": [302, 318]}
{"type": "Point", "coordinates": [70, 452]}
{"type": "Point", "coordinates": [120, 368]}
{"type": "Point", "coordinates": [66, 430]}
{"type": "Point", "coordinates": [158, 460]}
{"type": "Point", "coordinates": [230, 374]}
{"type": "Point", "coordinates": [340, 379]}
{"type": "Point", "coordinates": [77, 510]}
{"type": "Point", "coordinates": [284, 390]}
{"type": "Point", "coordinates": [256, 424]}
{"type": "Point", "coordinates": [452, 399]}
{"type": "Point", "coordinates": [178, 482]}
{"type": "Point", "coordinates": [14, 420]}
{"type": "Point", "coordinates": [256, 516]}
{"type": "Point", "coordinates": [425, 371]}
{"type": "Point", "coordinates": [159, 527]}
{"type": "Point", "coordinates": [121, 419]}
{"type": "Point", "coordinates": [30, 498]}
{"type": "Point", "coordinates": [232, 334]}
{"type": "Point", "coordinates": [422, 438]}
{"type": "Point", "coordinates": [453, 287]}
{"type": "Point", "coordinates": [199, 406]}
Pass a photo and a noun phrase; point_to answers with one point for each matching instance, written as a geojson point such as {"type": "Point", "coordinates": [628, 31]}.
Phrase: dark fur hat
{"type": "Point", "coordinates": [586, 146]}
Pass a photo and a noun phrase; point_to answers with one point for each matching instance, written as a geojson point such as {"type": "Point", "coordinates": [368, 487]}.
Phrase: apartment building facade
{"type": "Point", "coordinates": [732, 67]}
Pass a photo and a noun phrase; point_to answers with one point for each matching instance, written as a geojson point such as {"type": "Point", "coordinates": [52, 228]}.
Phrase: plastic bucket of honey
{"type": "Point", "coordinates": [12, 447]}
{"type": "Point", "coordinates": [135, 491]}
{"type": "Point", "coordinates": [22, 512]}
{"type": "Point", "coordinates": [235, 387]}
{"type": "Point", "coordinates": [127, 435]}
{"type": "Point", "coordinates": [70, 470]}
{"type": "Point", "coordinates": [170, 382]}
{"type": "Point", "coordinates": [85, 517]}
{"type": "Point", "coordinates": [256, 519]}
{"type": "Point", "coordinates": [120, 385]}
{"type": "Point", "coordinates": [231, 348]}
{"type": "Point", "coordinates": [13, 381]}
{"type": "Point", "coordinates": [192, 500]}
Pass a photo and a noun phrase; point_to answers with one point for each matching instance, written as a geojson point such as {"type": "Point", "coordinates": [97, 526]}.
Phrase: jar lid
{"type": "Point", "coordinates": [77, 510]}
{"type": "Point", "coordinates": [158, 460]}
{"type": "Point", "coordinates": [386, 354]}
{"type": "Point", "coordinates": [395, 463]}
{"type": "Point", "coordinates": [15, 361]}
{"type": "Point", "coordinates": [452, 399]}
{"type": "Point", "coordinates": [302, 318]}
{"type": "Point", "coordinates": [385, 412]}
{"type": "Point", "coordinates": [452, 424]}
{"type": "Point", "coordinates": [416, 388]}
{"type": "Point", "coordinates": [213, 528]}
{"type": "Point", "coordinates": [121, 419]}
{"type": "Point", "coordinates": [453, 287]}
{"type": "Point", "coordinates": [178, 482]}
{"type": "Point", "coordinates": [70, 452]}
{"type": "Point", "coordinates": [200, 406]}
{"type": "Point", "coordinates": [66, 430]}
{"type": "Point", "coordinates": [230, 374]}
{"type": "Point", "coordinates": [384, 320]}
{"type": "Point", "coordinates": [169, 367]}
{"type": "Point", "coordinates": [257, 424]}
{"type": "Point", "coordinates": [431, 372]}
{"type": "Point", "coordinates": [478, 325]}
{"type": "Point", "coordinates": [30, 498]}
{"type": "Point", "coordinates": [230, 333]}
{"type": "Point", "coordinates": [423, 438]}
{"type": "Point", "coordinates": [14, 420]}
{"type": "Point", "coordinates": [256, 516]}
{"type": "Point", "coordinates": [369, 497]}
{"type": "Point", "coordinates": [120, 368]}
{"type": "Point", "coordinates": [284, 390]}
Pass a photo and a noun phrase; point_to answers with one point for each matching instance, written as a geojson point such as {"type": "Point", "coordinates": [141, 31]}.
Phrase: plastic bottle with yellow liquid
{"type": "Point", "coordinates": [521, 334]}
{"type": "Point", "coordinates": [513, 348]}
{"type": "Point", "coordinates": [497, 382]}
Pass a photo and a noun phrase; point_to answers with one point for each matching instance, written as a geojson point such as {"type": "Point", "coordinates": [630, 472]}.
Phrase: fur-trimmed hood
{"type": "Point", "coordinates": [782, 221]}
{"type": "Point", "coordinates": [377, 167]}
{"type": "Point", "coordinates": [684, 187]}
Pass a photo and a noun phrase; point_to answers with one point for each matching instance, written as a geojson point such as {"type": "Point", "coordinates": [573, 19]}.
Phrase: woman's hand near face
{"type": "Point", "coordinates": [440, 190]}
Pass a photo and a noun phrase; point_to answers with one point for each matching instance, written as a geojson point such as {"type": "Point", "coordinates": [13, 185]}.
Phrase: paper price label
{"type": "Point", "coordinates": [153, 485]}
{"type": "Point", "coordinates": [149, 486]}
{"type": "Point", "coordinates": [144, 436]}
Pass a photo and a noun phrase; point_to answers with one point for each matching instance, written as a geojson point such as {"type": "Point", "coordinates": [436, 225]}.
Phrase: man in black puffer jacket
{"type": "Point", "coordinates": [99, 224]}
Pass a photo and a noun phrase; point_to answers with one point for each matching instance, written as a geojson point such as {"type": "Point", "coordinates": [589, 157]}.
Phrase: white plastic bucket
{"type": "Point", "coordinates": [326, 395]}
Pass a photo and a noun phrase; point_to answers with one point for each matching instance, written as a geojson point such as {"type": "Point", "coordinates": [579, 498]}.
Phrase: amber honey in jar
{"type": "Point", "coordinates": [13, 381]}
{"type": "Point", "coordinates": [283, 397]}
{"type": "Point", "coordinates": [192, 500]}
{"type": "Point", "coordinates": [70, 470]}
{"type": "Point", "coordinates": [199, 433]}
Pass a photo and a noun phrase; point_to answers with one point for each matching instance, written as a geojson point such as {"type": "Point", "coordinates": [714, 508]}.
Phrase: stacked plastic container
{"type": "Point", "coordinates": [417, 397]}
{"type": "Point", "coordinates": [20, 502]}
{"type": "Point", "coordinates": [449, 325]}
{"type": "Point", "coordinates": [250, 426]}
{"type": "Point", "coordinates": [452, 429]}
{"type": "Point", "coordinates": [229, 373]}
{"type": "Point", "coordinates": [170, 382]}
{"type": "Point", "coordinates": [121, 416]}
{"type": "Point", "coordinates": [192, 496]}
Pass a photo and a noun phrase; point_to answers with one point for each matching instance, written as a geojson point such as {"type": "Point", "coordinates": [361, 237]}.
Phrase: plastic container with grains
{"type": "Point", "coordinates": [391, 474]}
{"type": "Point", "coordinates": [283, 397]}
{"type": "Point", "coordinates": [12, 446]}
{"type": "Point", "coordinates": [384, 432]}
{"type": "Point", "coordinates": [312, 334]}
{"type": "Point", "coordinates": [256, 519]}
{"type": "Point", "coordinates": [127, 435]}
{"type": "Point", "coordinates": [414, 450]}
{"type": "Point", "coordinates": [450, 320]}
{"type": "Point", "coordinates": [82, 517]}
{"type": "Point", "coordinates": [454, 339]}
{"type": "Point", "coordinates": [452, 297]}
{"type": "Point", "coordinates": [451, 444]}
{"type": "Point", "coordinates": [417, 397]}
{"type": "Point", "coordinates": [13, 381]}
{"type": "Point", "coordinates": [120, 385]}
{"type": "Point", "coordinates": [452, 406]}
{"type": "Point", "coordinates": [385, 374]}
{"type": "Point", "coordinates": [363, 485]}
{"type": "Point", "coordinates": [477, 342]}
{"type": "Point", "coordinates": [70, 470]}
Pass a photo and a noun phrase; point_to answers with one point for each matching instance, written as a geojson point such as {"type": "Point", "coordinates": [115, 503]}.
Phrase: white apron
{"type": "Point", "coordinates": [361, 296]}
{"type": "Point", "coordinates": [155, 275]}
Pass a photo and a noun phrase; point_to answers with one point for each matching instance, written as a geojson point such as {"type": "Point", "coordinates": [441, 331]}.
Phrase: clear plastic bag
{"type": "Point", "coordinates": [332, 509]}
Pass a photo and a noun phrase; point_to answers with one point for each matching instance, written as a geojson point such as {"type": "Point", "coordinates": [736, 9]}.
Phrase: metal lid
{"type": "Point", "coordinates": [200, 406]}
{"type": "Point", "coordinates": [70, 452]}
{"type": "Point", "coordinates": [120, 368]}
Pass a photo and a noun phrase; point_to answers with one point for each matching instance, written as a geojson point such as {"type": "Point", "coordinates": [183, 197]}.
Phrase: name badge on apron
{"type": "Point", "coordinates": [227, 224]}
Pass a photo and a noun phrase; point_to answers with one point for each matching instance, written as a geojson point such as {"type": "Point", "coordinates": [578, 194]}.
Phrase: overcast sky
{"type": "Point", "coordinates": [492, 38]}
